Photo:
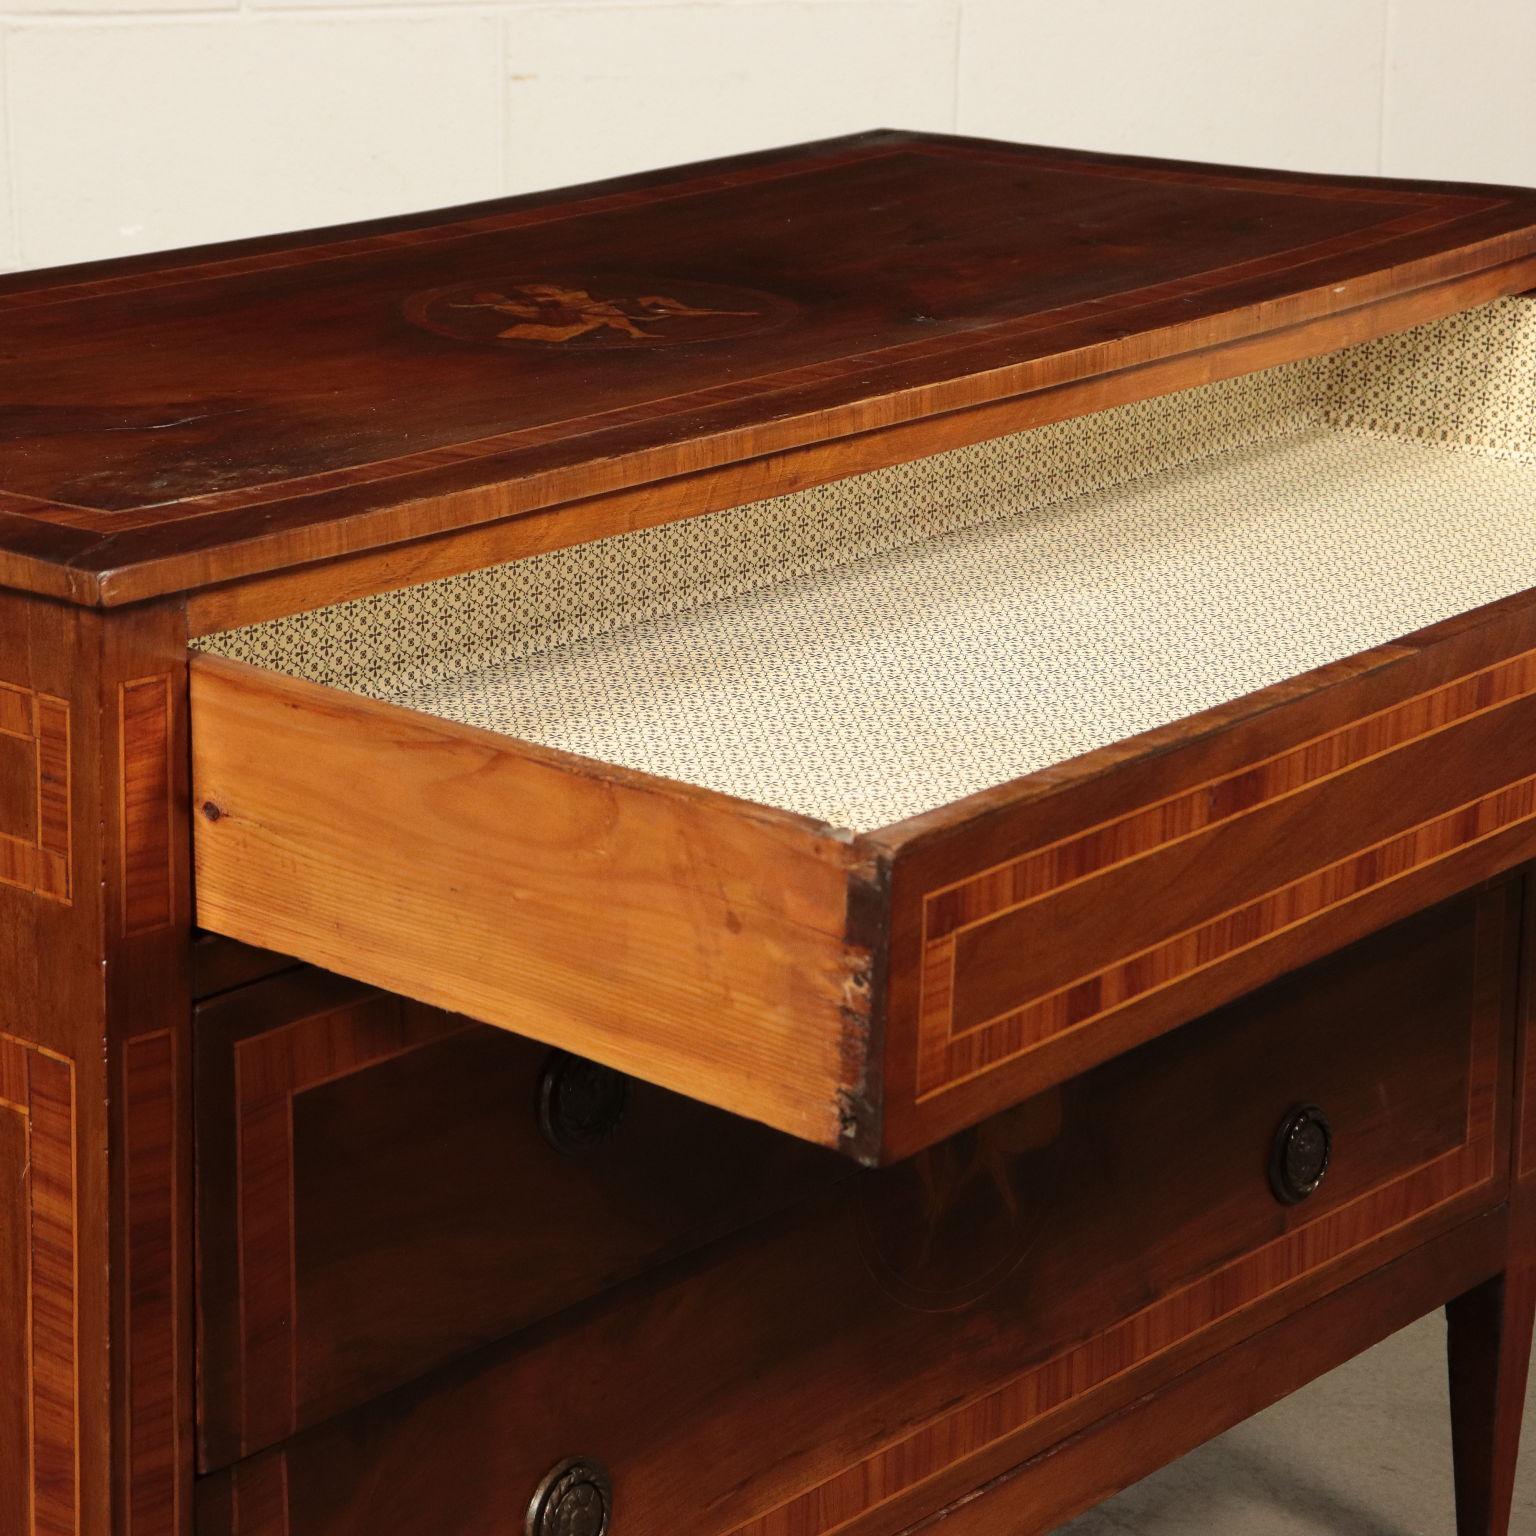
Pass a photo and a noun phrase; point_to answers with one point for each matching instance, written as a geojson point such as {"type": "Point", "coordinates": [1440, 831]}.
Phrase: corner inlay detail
{"type": "Point", "coordinates": [35, 830]}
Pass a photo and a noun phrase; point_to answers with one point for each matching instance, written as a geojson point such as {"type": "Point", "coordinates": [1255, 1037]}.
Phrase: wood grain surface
{"type": "Point", "coordinates": [377, 1198]}
{"type": "Point", "coordinates": [94, 1025]}
{"type": "Point", "coordinates": [876, 992]}
{"type": "Point", "coordinates": [1097, 1463]}
{"type": "Point", "coordinates": [446, 370]}
{"type": "Point", "coordinates": [919, 1330]}
{"type": "Point", "coordinates": [694, 941]}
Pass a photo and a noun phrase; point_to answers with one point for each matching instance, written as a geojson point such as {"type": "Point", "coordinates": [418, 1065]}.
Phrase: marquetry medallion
{"type": "Point", "coordinates": [591, 313]}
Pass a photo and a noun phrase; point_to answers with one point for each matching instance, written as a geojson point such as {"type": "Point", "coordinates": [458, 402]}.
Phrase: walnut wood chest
{"type": "Point", "coordinates": [831, 844]}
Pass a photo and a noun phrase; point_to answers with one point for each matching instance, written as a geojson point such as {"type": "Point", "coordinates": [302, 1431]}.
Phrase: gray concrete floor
{"type": "Point", "coordinates": [1364, 1451]}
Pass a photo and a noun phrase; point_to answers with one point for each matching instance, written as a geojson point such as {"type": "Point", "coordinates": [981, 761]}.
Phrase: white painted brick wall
{"type": "Point", "coordinates": [129, 125]}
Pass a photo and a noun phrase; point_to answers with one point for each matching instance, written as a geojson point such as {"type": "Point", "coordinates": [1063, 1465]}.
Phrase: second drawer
{"type": "Point", "coordinates": [891, 1343]}
{"type": "Point", "coordinates": [383, 1186]}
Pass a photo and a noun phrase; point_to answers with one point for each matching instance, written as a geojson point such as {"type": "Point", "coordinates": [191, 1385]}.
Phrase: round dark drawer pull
{"type": "Point", "coordinates": [1302, 1151]}
{"type": "Point", "coordinates": [581, 1103]}
{"type": "Point", "coordinates": [575, 1499]}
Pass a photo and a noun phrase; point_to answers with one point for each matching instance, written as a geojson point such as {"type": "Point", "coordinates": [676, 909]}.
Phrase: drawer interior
{"type": "Point", "coordinates": [869, 650]}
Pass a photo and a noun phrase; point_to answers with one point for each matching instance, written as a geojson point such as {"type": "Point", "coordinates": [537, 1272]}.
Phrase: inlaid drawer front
{"type": "Point", "coordinates": [1195, 891]}
{"type": "Point", "coordinates": [913, 1332]}
{"type": "Point", "coordinates": [872, 810]}
{"type": "Point", "coordinates": [383, 1187]}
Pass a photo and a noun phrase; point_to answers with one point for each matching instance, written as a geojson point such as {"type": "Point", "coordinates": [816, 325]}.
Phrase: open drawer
{"type": "Point", "coordinates": [871, 810]}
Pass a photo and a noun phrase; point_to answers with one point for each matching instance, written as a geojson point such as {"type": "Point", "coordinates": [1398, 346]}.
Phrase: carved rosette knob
{"type": "Point", "coordinates": [1302, 1151]}
{"type": "Point", "coordinates": [575, 1499]}
{"type": "Point", "coordinates": [581, 1103]}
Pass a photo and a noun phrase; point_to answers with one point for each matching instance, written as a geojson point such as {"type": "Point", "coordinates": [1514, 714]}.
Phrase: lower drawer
{"type": "Point", "coordinates": [383, 1186]}
{"type": "Point", "coordinates": [907, 1334]}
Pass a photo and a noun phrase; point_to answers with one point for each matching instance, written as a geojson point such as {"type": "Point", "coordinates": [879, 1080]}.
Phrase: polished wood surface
{"type": "Point", "coordinates": [95, 1078]}
{"type": "Point", "coordinates": [1490, 1326]}
{"type": "Point", "coordinates": [1076, 1258]}
{"type": "Point", "coordinates": [917, 1331]}
{"type": "Point", "coordinates": [1094, 1465]}
{"type": "Point", "coordinates": [176, 421]}
{"type": "Point", "coordinates": [1490, 1354]}
{"type": "Point", "coordinates": [377, 1197]}
{"type": "Point", "coordinates": [427, 554]}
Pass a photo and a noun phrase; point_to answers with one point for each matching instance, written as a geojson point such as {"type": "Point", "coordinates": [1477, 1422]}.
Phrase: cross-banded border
{"type": "Point", "coordinates": [947, 1056]}
{"type": "Point", "coordinates": [39, 1086]}
{"type": "Point", "coordinates": [40, 863]}
{"type": "Point", "coordinates": [145, 809]}
{"type": "Point", "coordinates": [271, 1070]}
{"type": "Point", "coordinates": [1169, 1322]}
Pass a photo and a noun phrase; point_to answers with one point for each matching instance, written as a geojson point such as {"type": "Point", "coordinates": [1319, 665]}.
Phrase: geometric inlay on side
{"type": "Point", "coordinates": [144, 778]}
{"type": "Point", "coordinates": [949, 1055]}
{"type": "Point", "coordinates": [1174, 1319]}
{"type": "Point", "coordinates": [34, 792]}
{"type": "Point", "coordinates": [39, 1087]}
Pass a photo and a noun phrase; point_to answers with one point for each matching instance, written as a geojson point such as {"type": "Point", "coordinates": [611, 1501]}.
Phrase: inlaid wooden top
{"type": "Point", "coordinates": [170, 422]}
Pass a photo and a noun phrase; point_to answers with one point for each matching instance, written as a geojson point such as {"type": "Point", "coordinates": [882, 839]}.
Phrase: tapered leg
{"type": "Point", "coordinates": [1490, 1353]}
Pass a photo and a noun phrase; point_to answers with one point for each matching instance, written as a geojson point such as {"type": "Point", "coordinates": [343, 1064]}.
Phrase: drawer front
{"type": "Point", "coordinates": [1046, 934]}
{"type": "Point", "coordinates": [383, 1187]}
{"type": "Point", "coordinates": [875, 993]}
{"type": "Point", "coordinates": [912, 1332]}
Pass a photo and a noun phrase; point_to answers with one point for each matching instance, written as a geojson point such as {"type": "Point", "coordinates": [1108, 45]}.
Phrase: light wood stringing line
{"type": "Point", "coordinates": [1209, 943]}
{"type": "Point", "coordinates": [150, 1406]}
{"type": "Point", "coordinates": [46, 1083]}
{"type": "Point", "coordinates": [1167, 1323]}
{"type": "Point", "coordinates": [1507, 682]}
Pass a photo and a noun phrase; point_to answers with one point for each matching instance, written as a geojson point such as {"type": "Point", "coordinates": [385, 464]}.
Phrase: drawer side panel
{"type": "Point", "coordinates": [690, 941]}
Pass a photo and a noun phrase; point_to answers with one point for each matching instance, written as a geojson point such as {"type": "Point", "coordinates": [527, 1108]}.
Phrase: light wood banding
{"type": "Point", "coordinates": [146, 876]}
{"type": "Point", "coordinates": [40, 861]}
{"type": "Point", "coordinates": [39, 1086]}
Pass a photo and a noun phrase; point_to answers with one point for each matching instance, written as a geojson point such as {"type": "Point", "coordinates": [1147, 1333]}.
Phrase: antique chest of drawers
{"type": "Point", "coordinates": [828, 843]}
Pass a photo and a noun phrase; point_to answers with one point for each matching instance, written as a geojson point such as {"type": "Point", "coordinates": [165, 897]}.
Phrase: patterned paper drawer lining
{"type": "Point", "coordinates": [885, 644]}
